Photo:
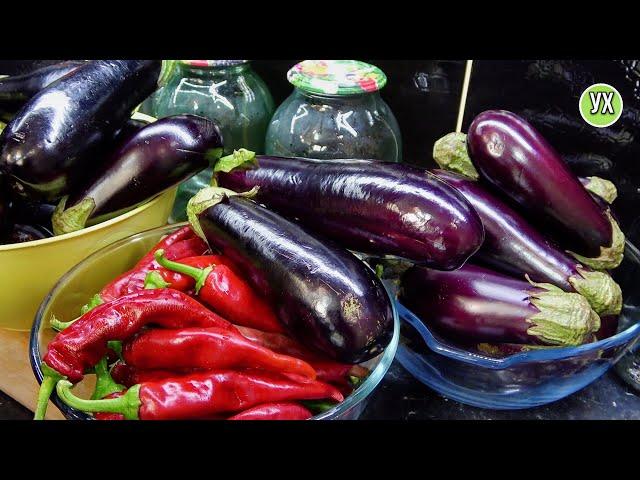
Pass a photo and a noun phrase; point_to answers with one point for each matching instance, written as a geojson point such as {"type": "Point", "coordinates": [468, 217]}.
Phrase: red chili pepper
{"type": "Point", "coordinates": [180, 244]}
{"type": "Point", "coordinates": [327, 370]}
{"type": "Point", "coordinates": [129, 376]}
{"type": "Point", "coordinates": [83, 343]}
{"type": "Point", "coordinates": [274, 411]}
{"type": "Point", "coordinates": [224, 291]}
{"type": "Point", "coordinates": [201, 395]}
{"type": "Point", "coordinates": [163, 278]}
{"type": "Point", "coordinates": [207, 349]}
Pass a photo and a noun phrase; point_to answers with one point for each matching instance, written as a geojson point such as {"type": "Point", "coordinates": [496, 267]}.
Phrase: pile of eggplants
{"type": "Point", "coordinates": [71, 155]}
{"type": "Point", "coordinates": [542, 274]}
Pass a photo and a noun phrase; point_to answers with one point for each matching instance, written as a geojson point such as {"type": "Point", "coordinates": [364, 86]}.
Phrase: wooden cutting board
{"type": "Point", "coordinates": [16, 377]}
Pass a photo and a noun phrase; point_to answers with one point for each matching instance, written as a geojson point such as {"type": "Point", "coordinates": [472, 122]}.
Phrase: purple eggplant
{"type": "Point", "coordinates": [54, 140]}
{"type": "Point", "coordinates": [512, 156]}
{"type": "Point", "coordinates": [16, 90]}
{"type": "Point", "coordinates": [4, 205]}
{"type": "Point", "coordinates": [152, 160]}
{"type": "Point", "coordinates": [450, 153]}
{"type": "Point", "coordinates": [19, 233]}
{"type": "Point", "coordinates": [323, 294]}
{"type": "Point", "coordinates": [511, 245]}
{"type": "Point", "coordinates": [473, 304]}
{"type": "Point", "coordinates": [379, 208]}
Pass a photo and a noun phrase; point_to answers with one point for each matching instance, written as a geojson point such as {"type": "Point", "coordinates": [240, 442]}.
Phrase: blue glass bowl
{"type": "Point", "coordinates": [522, 380]}
{"type": "Point", "coordinates": [90, 275]}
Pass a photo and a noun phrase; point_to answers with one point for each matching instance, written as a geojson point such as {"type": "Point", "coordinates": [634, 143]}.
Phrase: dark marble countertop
{"type": "Point", "coordinates": [401, 397]}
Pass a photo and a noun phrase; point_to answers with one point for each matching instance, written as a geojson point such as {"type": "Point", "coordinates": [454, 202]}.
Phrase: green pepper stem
{"type": "Point", "coordinates": [59, 325]}
{"type": "Point", "coordinates": [105, 384]}
{"type": "Point", "coordinates": [198, 274]}
{"type": "Point", "coordinates": [49, 380]}
{"type": "Point", "coordinates": [318, 406]}
{"type": "Point", "coordinates": [126, 405]}
{"type": "Point", "coordinates": [154, 280]}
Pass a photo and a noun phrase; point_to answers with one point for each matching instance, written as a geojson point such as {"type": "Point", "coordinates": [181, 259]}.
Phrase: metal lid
{"type": "Point", "coordinates": [213, 63]}
{"type": "Point", "coordinates": [336, 77]}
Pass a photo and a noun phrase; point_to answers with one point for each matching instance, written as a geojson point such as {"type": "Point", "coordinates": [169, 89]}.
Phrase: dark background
{"type": "Point", "coordinates": [425, 96]}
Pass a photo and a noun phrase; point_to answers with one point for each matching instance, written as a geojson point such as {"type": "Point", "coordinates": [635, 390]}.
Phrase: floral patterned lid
{"type": "Point", "coordinates": [213, 63]}
{"type": "Point", "coordinates": [336, 77]}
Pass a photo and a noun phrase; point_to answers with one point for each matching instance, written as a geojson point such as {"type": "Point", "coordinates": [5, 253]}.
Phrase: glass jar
{"type": "Point", "coordinates": [335, 111]}
{"type": "Point", "coordinates": [226, 91]}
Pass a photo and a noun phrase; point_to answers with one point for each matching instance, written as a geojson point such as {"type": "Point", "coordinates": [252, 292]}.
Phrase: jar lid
{"type": "Point", "coordinates": [213, 63]}
{"type": "Point", "coordinates": [336, 77]}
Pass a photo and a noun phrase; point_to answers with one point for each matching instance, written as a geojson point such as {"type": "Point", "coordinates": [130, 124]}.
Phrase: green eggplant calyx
{"type": "Point", "coordinates": [602, 292]}
{"type": "Point", "coordinates": [604, 189]}
{"type": "Point", "coordinates": [239, 158]}
{"type": "Point", "coordinates": [563, 318]}
{"type": "Point", "coordinates": [198, 274]}
{"type": "Point", "coordinates": [105, 384]}
{"type": "Point", "coordinates": [49, 380]}
{"type": "Point", "coordinates": [154, 280]}
{"type": "Point", "coordinates": [126, 405]}
{"type": "Point", "coordinates": [72, 219]}
{"type": "Point", "coordinates": [207, 198]}
{"type": "Point", "coordinates": [450, 153]}
{"type": "Point", "coordinates": [610, 257]}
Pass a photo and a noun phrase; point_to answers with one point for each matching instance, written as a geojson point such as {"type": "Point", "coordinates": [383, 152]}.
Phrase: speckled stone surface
{"type": "Point", "coordinates": [401, 397]}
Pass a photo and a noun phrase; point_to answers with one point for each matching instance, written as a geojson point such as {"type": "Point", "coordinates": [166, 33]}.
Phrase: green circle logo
{"type": "Point", "coordinates": [600, 105]}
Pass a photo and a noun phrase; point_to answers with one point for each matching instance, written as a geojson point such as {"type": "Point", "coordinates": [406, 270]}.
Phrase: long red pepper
{"type": "Point", "coordinates": [207, 349]}
{"type": "Point", "coordinates": [163, 278]}
{"type": "Point", "coordinates": [83, 343]}
{"type": "Point", "coordinates": [224, 291]}
{"type": "Point", "coordinates": [129, 376]}
{"type": "Point", "coordinates": [201, 395]}
{"type": "Point", "coordinates": [274, 411]}
{"type": "Point", "coordinates": [326, 370]}
{"type": "Point", "coordinates": [116, 287]}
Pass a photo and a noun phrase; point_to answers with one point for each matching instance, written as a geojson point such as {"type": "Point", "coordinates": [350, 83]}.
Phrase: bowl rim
{"type": "Point", "coordinates": [93, 228]}
{"type": "Point", "coordinates": [557, 353]}
{"type": "Point", "coordinates": [385, 359]}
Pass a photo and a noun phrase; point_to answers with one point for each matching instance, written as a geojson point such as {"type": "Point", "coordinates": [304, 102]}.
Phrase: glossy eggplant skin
{"type": "Point", "coordinates": [29, 212]}
{"type": "Point", "coordinates": [471, 303]}
{"type": "Point", "coordinates": [325, 296]}
{"type": "Point", "coordinates": [16, 90]}
{"type": "Point", "coordinates": [511, 244]}
{"type": "Point", "coordinates": [512, 156]}
{"type": "Point", "coordinates": [19, 233]}
{"type": "Point", "coordinates": [150, 161]}
{"type": "Point", "coordinates": [54, 139]}
{"type": "Point", "coordinates": [379, 208]}
{"type": "Point", "coordinates": [4, 205]}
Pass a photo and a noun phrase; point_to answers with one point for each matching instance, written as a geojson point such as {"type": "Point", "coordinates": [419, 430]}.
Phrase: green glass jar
{"type": "Point", "coordinates": [229, 92]}
{"type": "Point", "coordinates": [335, 111]}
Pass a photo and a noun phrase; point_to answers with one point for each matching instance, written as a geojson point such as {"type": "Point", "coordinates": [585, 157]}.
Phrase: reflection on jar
{"type": "Point", "coordinates": [325, 127]}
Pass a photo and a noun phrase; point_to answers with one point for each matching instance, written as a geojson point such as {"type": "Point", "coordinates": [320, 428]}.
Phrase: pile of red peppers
{"type": "Point", "coordinates": [182, 336]}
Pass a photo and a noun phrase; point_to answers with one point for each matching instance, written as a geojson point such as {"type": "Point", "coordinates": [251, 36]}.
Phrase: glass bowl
{"type": "Point", "coordinates": [76, 287]}
{"type": "Point", "coordinates": [522, 380]}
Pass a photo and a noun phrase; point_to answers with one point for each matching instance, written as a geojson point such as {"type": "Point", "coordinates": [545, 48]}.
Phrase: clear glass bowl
{"type": "Point", "coordinates": [526, 379]}
{"type": "Point", "coordinates": [89, 276]}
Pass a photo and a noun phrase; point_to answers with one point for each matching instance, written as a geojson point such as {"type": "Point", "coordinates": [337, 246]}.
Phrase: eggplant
{"type": "Point", "coordinates": [53, 141]}
{"type": "Point", "coordinates": [478, 305]}
{"type": "Point", "coordinates": [513, 157]}
{"type": "Point", "coordinates": [511, 245]}
{"type": "Point", "coordinates": [450, 153]}
{"type": "Point", "coordinates": [4, 205]}
{"type": "Point", "coordinates": [25, 233]}
{"type": "Point", "coordinates": [323, 294]}
{"type": "Point", "coordinates": [154, 159]}
{"type": "Point", "coordinates": [16, 90]}
{"type": "Point", "coordinates": [379, 208]}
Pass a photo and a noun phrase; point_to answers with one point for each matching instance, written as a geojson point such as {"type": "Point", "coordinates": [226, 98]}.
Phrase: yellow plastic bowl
{"type": "Point", "coordinates": [28, 271]}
